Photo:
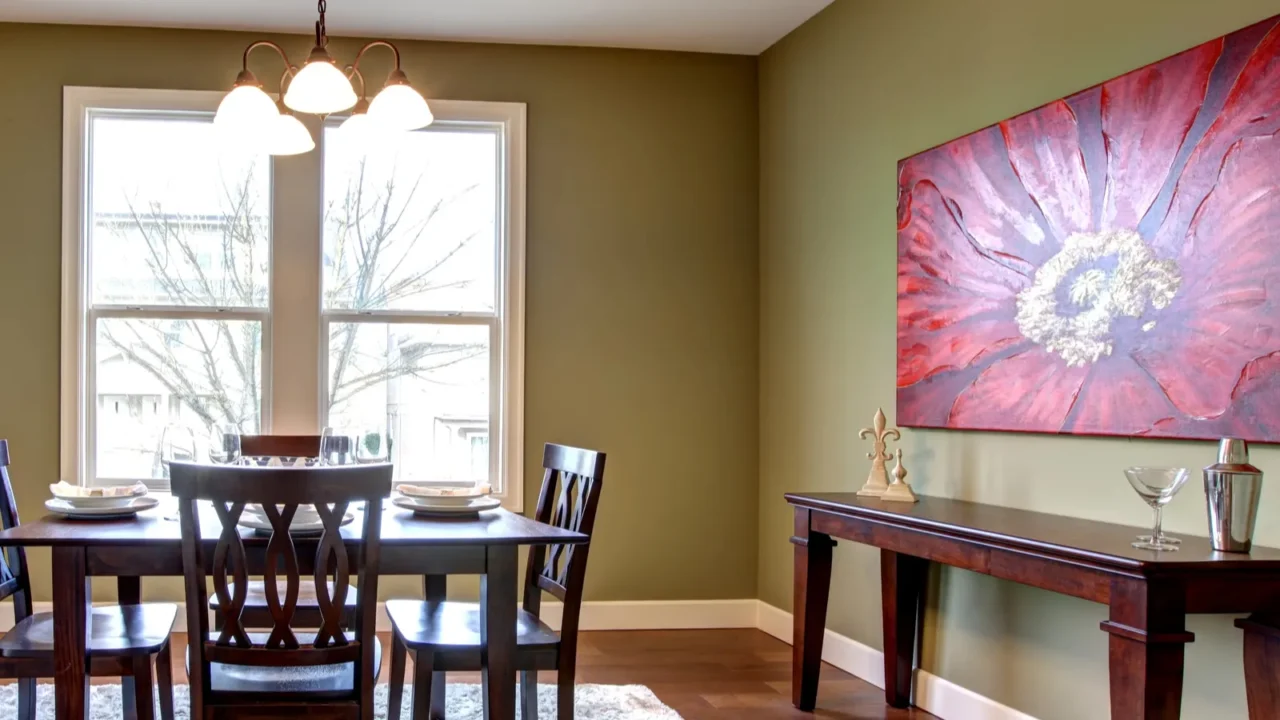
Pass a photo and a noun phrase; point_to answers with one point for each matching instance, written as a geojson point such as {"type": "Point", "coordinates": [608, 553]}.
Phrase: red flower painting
{"type": "Point", "coordinates": [1108, 264]}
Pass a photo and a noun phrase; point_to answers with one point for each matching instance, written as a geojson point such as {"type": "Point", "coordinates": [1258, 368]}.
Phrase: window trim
{"type": "Point", "coordinates": [507, 404]}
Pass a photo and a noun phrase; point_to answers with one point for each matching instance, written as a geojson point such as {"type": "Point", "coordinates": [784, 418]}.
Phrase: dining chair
{"type": "Point", "coordinates": [324, 672]}
{"type": "Point", "coordinates": [255, 613]}
{"type": "Point", "coordinates": [444, 636]}
{"type": "Point", "coordinates": [122, 643]}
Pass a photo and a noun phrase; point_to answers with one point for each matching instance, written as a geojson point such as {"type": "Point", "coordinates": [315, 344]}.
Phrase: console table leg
{"type": "Point", "coordinates": [1261, 660]}
{"type": "Point", "coordinates": [1148, 638]}
{"type": "Point", "coordinates": [902, 586]}
{"type": "Point", "coordinates": [812, 584]}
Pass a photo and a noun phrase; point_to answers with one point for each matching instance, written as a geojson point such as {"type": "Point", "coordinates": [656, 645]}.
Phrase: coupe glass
{"type": "Point", "coordinates": [224, 444]}
{"type": "Point", "coordinates": [1157, 486]}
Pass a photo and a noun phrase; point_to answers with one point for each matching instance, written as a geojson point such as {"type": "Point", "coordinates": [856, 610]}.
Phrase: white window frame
{"type": "Point", "coordinates": [295, 334]}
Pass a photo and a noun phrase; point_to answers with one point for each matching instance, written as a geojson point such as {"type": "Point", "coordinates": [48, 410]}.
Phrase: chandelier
{"type": "Point", "coordinates": [319, 87]}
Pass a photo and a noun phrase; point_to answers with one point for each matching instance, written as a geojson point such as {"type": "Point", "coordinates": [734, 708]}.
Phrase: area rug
{"type": "Point", "coordinates": [591, 702]}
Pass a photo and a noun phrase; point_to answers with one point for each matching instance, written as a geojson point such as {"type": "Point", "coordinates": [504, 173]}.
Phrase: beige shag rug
{"type": "Point", "coordinates": [592, 702]}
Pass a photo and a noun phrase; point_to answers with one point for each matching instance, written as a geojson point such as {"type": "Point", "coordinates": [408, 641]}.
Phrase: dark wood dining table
{"type": "Point", "coordinates": [149, 546]}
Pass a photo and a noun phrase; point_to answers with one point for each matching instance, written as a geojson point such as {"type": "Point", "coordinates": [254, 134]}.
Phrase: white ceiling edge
{"type": "Point", "coordinates": [738, 27]}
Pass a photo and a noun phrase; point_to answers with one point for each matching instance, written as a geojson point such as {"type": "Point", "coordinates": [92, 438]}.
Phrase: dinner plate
{"type": "Point", "coordinates": [262, 525]}
{"type": "Point", "coordinates": [122, 498]}
{"type": "Point", "coordinates": [135, 506]}
{"type": "Point", "coordinates": [419, 507]}
{"type": "Point", "coordinates": [438, 496]}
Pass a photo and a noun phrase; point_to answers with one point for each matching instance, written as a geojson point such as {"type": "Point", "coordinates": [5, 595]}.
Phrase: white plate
{"type": "Point", "coordinates": [438, 496]}
{"type": "Point", "coordinates": [135, 506]}
{"type": "Point", "coordinates": [420, 506]}
{"type": "Point", "coordinates": [258, 522]}
{"type": "Point", "coordinates": [124, 499]}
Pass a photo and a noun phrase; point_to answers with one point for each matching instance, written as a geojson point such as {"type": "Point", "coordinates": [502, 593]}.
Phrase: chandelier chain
{"type": "Point", "coordinates": [321, 35]}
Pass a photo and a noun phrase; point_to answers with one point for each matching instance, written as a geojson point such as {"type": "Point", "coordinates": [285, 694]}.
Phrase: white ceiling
{"type": "Point", "coordinates": [745, 27]}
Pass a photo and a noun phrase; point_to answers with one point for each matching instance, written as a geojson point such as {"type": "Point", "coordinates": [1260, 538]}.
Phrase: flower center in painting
{"type": "Point", "coordinates": [1095, 280]}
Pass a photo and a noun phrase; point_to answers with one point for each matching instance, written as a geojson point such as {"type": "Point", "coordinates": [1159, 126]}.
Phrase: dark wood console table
{"type": "Point", "coordinates": [1149, 593]}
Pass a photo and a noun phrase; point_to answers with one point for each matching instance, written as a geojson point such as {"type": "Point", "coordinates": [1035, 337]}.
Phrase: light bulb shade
{"type": "Point", "coordinates": [400, 107]}
{"type": "Point", "coordinates": [320, 88]}
{"type": "Point", "coordinates": [245, 110]}
{"type": "Point", "coordinates": [286, 135]}
{"type": "Point", "coordinates": [358, 124]}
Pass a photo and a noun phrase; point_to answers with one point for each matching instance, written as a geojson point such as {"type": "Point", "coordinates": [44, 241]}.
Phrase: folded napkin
{"type": "Point", "coordinates": [444, 492]}
{"type": "Point", "coordinates": [66, 491]}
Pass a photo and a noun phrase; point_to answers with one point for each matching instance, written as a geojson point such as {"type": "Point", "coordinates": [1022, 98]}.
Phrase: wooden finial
{"type": "Point", "coordinates": [899, 490]}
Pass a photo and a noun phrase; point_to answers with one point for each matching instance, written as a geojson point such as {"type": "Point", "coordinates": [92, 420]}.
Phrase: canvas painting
{"type": "Point", "coordinates": [1107, 264]}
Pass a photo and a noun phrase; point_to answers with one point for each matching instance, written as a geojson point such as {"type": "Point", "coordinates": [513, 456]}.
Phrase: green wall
{"type": "Point", "coordinates": [843, 98]}
{"type": "Point", "coordinates": [642, 273]}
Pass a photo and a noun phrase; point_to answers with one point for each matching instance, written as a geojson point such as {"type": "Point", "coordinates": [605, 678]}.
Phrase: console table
{"type": "Point", "coordinates": [1149, 593]}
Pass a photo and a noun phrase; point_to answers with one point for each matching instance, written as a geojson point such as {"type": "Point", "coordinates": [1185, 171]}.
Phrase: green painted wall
{"type": "Point", "coordinates": [642, 273]}
{"type": "Point", "coordinates": [843, 98]}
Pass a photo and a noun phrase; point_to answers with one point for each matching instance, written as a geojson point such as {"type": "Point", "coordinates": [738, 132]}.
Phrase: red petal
{"type": "Point", "coordinates": [1145, 118]}
{"type": "Point", "coordinates": [954, 301]}
{"type": "Point", "coordinates": [1120, 398]}
{"type": "Point", "coordinates": [974, 175]}
{"type": "Point", "coordinates": [1044, 147]}
{"type": "Point", "coordinates": [1252, 109]}
{"type": "Point", "coordinates": [1032, 391]}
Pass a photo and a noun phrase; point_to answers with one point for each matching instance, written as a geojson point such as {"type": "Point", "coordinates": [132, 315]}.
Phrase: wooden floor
{"type": "Point", "coordinates": [703, 674]}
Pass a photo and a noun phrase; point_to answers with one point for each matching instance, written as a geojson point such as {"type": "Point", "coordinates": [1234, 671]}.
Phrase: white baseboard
{"type": "Point", "coordinates": [933, 694]}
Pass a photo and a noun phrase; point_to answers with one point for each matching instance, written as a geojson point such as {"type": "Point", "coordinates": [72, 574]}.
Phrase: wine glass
{"type": "Point", "coordinates": [337, 445]}
{"type": "Point", "coordinates": [372, 446]}
{"type": "Point", "coordinates": [177, 442]}
{"type": "Point", "coordinates": [224, 443]}
{"type": "Point", "coordinates": [1157, 486]}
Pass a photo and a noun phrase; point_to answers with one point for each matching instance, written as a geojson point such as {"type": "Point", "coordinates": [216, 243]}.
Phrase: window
{"type": "Point", "coordinates": [374, 285]}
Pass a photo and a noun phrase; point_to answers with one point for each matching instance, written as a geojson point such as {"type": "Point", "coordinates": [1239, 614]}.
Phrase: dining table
{"type": "Point", "coordinates": [148, 545]}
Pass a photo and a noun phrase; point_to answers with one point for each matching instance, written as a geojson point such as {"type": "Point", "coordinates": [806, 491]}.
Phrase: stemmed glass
{"type": "Point", "coordinates": [1157, 486]}
{"type": "Point", "coordinates": [177, 442]}
{"type": "Point", "coordinates": [337, 446]}
{"type": "Point", "coordinates": [224, 444]}
{"type": "Point", "coordinates": [372, 446]}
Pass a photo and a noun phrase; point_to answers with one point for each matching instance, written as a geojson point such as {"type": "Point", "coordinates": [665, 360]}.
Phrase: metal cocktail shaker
{"type": "Point", "coordinates": [1232, 487]}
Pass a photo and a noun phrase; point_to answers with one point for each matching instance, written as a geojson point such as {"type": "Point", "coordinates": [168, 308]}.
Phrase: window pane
{"type": "Point", "coordinates": [422, 388]}
{"type": "Point", "coordinates": [155, 373]}
{"type": "Point", "coordinates": [174, 219]}
{"type": "Point", "coordinates": [410, 221]}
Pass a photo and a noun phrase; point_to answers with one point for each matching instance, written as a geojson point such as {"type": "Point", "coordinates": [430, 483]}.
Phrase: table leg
{"type": "Point", "coordinates": [435, 589]}
{"type": "Point", "coordinates": [1261, 663]}
{"type": "Point", "coordinates": [498, 631]}
{"type": "Point", "coordinates": [1148, 639]}
{"type": "Point", "coordinates": [128, 592]}
{"type": "Point", "coordinates": [812, 583]}
{"type": "Point", "coordinates": [902, 587]}
{"type": "Point", "coordinates": [70, 630]}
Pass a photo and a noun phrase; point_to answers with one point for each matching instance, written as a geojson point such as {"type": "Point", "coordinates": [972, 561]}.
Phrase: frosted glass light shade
{"type": "Point", "coordinates": [245, 110]}
{"type": "Point", "coordinates": [320, 88]}
{"type": "Point", "coordinates": [286, 135]}
{"type": "Point", "coordinates": [400, 107]}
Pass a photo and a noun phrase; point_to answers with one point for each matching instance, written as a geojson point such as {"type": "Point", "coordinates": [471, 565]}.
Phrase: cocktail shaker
{"type": "Point", "coordinates": [1232, 488]}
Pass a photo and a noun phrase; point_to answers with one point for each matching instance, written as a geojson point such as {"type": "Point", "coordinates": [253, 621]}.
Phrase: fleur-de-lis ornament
{"type": "Point", "coordinates": [878, 478]}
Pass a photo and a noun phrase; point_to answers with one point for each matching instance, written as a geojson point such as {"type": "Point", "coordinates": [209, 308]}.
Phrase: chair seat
{"type": "Point", "coordinates": [114, 630]}
{"type": "Point", "coordinates": [308, 679]}
{"type": "Point", "coordinates": [456, 625]}
{"type": "Point", "coordinates": [256, 595]}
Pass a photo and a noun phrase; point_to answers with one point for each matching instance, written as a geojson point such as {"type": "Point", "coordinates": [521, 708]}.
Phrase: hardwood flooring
{"type": "Point", "coordinates": [703, 674]}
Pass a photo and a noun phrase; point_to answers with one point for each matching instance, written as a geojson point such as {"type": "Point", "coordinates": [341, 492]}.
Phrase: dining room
{"type": "Point", "coordinates": [638, 360]}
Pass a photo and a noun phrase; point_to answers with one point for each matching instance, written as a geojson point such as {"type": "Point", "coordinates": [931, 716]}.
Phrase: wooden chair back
{"type": "Point", "coordinates": [571, 485]}
{"type": "Point", "coordinates": [15, 581]}
{"type": "Point", "coordinates": [280, 491]}
{"type": "Point", "coordinates": [280, 445]}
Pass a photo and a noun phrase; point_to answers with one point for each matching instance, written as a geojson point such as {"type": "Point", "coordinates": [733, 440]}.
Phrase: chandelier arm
{"type": "Point", "coordinates": [290, 68]}
{"type": "Point", "coordinates": [353, 72]}
{"type": "Point", "coordinates": [369, 46]}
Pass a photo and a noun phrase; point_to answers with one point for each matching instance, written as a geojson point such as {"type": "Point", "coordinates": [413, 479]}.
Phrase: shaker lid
{"type": "Point", "coordinates": [1233, 454]}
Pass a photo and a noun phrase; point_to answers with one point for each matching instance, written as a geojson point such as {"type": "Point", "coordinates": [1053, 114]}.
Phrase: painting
{"type": "Point", "coordinates": [1107, 264]}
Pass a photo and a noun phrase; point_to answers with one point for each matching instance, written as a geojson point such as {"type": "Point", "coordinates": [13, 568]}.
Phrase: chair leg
{"type": "Point", "coordinates": [164, 680]}
{"type": "Point", "coordinates": [422, 662]}
{"type": "Point", "coordinates": [564, 690]}
{"type": "Point", "coordinates": [27, 699]}
{"type": "Point", "coordinates": [395, 694]}
{"type": "Point", "coordinates": [529, 694]}
{"type": "Point", "coordinates": [143, 688]}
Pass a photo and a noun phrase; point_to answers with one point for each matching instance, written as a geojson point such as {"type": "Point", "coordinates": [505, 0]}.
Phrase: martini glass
{"type": "Point", "coordinates": [1157, 486]}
